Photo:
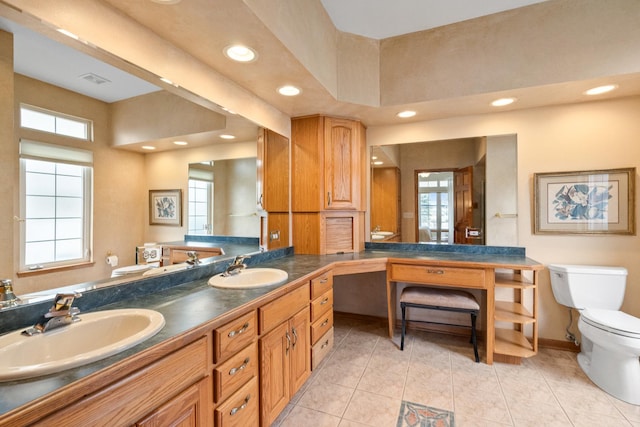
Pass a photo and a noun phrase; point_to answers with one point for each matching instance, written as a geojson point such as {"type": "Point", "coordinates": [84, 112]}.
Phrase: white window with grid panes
{"type": "Point", "coordinates": [56, 186]}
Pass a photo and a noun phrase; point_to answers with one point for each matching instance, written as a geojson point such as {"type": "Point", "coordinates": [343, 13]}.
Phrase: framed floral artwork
{"type": "Point", "coordinates": [589, 202]}
{"type": "Point", "coordinates": [165, 207]}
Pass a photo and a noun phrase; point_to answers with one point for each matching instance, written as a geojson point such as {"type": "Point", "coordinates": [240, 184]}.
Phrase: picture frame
{"type": "Point", "coordinates": [585, 202]}
{"type": "Point", "coordinates": [165, 207]}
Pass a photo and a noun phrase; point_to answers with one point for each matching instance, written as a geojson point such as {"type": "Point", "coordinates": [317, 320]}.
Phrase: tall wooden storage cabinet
{"type": "Point", "coordinates": [273, 189]}
{"type": "Point", "coordinates": [328, 158]}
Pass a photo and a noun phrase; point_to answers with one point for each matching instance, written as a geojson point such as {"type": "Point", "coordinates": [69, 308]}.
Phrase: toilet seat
{"type": "Point", "coordinates": [613, 321]}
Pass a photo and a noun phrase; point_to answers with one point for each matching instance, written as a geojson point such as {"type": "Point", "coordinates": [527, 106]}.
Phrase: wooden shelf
{"type": "Point", "coordinates": [513, 312]}
{"type": "Point", "coordinates": [513, 280]}
{"type": "Point", "coordinates": [512, 343]}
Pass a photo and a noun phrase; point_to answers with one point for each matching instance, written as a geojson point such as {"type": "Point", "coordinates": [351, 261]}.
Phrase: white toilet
{"type": "Point", "coordinates": [610, 349]}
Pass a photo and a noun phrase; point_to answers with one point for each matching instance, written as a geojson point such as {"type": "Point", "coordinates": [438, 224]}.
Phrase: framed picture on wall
{"type": "Point", "coordinates": [589, 202]}
{"type": "Point", "coordinates": [165, 207]}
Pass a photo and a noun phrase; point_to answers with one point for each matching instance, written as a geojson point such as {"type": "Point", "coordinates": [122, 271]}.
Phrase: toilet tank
{"type": "Point", "coordinates": [587, 286]}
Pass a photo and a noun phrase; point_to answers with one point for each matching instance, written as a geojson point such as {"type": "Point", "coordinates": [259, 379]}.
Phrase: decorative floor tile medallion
{"type": "Point", "coordinates": [416, 415]}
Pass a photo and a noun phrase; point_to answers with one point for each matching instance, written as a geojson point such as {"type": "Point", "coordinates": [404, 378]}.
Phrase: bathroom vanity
{"type": "Point", "coordinates": [235, 358]}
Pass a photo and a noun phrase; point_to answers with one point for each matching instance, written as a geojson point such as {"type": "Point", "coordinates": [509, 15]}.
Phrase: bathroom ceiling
{"type": "Point", "coordinates": [380, 19]}
{"type": "Point", "coordinates": [202, 28]}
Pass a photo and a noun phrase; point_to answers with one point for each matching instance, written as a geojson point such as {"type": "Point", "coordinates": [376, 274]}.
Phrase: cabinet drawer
{"type": "Point", "coordinates": [427, 274]}
{"type": "Point", "coordinates": [234, 336]}
{"type": "Point", "coordinates": [320, 349]}
{"type": "Point", "coordinates": [236, 371]}
{"type": "Point", "coordinates": [281, 309]}
{"type": "Point", "coordinates": [321, 305]}
{"type": "Point", "coordinates": [321, 284]}
{"type": "Point", "coordinates": [241, 409]}
{"type": "Point", "coordinates": [135, 396]}
{"type": "Point", "coordinates": [321, 326]}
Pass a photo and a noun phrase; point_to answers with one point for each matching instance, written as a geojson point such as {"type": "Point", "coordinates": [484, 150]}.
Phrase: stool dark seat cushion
{"type": "Point", "coordinates": [440, 299]}
{"type": "Point", "coordinates": [450, 298]}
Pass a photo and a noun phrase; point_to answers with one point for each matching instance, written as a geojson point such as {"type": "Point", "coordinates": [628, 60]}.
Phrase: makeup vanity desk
{"type": "Point", "coordinates": [506, 313]}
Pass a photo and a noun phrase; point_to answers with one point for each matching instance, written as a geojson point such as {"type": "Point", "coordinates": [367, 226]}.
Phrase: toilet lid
{"type": "Point", "coordinates": [614, 321]}
{"type": "Point", "coordinates": [131, 269]}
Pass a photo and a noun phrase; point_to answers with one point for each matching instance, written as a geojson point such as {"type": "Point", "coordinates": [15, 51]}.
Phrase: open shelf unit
{"type": "Point", "coordinates": [512, 344]}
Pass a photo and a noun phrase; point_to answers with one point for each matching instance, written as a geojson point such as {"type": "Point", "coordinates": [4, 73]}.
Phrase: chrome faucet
{"type": "Point", "coordinates": [236, 266]}
{"type": "Point", "coordinates": [62, 313]}
{"type": "Point", "coordinates": [7, 297]}
{"type": "Point", "coordinates": [193, 258]}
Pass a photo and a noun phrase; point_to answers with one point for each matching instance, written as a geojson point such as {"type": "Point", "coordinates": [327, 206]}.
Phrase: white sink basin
{"type": "Point", "coordinates": [249, 278]}
{"type": "Point", "coordinates": [97, 336]}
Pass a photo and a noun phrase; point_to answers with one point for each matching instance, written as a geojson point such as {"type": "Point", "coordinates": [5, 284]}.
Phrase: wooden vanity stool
{"type": "Point", "coordinates": [440, 299]}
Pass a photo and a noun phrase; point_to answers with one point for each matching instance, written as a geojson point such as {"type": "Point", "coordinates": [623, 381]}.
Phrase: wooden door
{"type": "Point", "coordinates": [274, 373]}
{"type": "Point", "coordinates": [463, 203]}
{"type": "Point", "coordinates": [342, 163]}
{"type": "Point", "coordinates": [300, 355]}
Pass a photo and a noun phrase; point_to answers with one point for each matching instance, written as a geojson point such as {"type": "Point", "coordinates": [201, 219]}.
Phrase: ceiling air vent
{"type": "Point", "coordinates": [94, 78]}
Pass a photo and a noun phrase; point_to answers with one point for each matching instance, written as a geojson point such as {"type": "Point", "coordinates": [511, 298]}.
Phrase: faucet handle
{"type": "Point", "coordinates": [63, 302]}
{"type": "Point", "coordinates": [239, 259]}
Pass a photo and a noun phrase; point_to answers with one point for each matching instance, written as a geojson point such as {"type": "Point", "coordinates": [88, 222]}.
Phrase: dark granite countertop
{"type": "Point", "coordinates": [186, 301]}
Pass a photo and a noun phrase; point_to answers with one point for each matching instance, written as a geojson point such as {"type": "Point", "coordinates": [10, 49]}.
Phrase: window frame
{"type": "Point", "coordinates": [87, 208]}
{"type": "Point", "coordinates": [56, 115]}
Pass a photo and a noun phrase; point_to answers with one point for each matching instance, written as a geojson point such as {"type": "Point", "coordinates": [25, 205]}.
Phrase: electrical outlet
{"type": "Point", "coordinates": [274, 235]}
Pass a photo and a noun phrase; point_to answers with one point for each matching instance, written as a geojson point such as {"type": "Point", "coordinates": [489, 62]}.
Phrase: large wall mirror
{"type": "Point", "coordinates": [222, 198]}
{"type": "Point", "coordinates": [460, 191]}
{"type": "Point", "coordinates": [124, 172]}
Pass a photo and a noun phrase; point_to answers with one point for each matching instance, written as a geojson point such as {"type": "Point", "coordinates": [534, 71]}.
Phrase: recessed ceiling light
{"type": "Point", "coordinates": [503, 101]}
{"type": "Point", "coordinates": [181, 142]}
{"type": "Point", "coordinates": [289, 90]}
{"type": "Point", "coordinates": [600, 90]}
{"type": "Point", "coordinates": [167, 81]}
{"type": "Point", "coordinates": [225, 136]}
{"type": "Point", "coordinates": [374, 158]}
{"type": "Point", "coordinates": [68, 33]}
{"type": "Point", "coordinates": [378, 163]}
{"type": "Point", "coordinates": [148, 147]}
{"type": "Point", "coordinates": [240, 53]}
{"type": "Point", "coordinates": [406, 114]}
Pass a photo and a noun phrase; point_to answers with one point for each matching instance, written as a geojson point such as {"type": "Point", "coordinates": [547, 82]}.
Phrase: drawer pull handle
{"type": "Point", "coordinates": [430, 271]}
{"type": "Point", "coordinates": [234, 371]}
{"type": "Point", "coordinates": [324, 301]}
{"type": "Point", "coordinates": [325, 323]}
{"type": "Point", "coordinates": [324, 344]}
{"type": "Point", "coordinates": [324, 280]}
{"type": "Point", "coordinates": [239, 331]}
{"type": "Point", "coordinates": [241, 407]}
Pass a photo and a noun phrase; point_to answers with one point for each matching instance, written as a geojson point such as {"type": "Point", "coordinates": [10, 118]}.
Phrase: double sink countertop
{"type": "Point", "coordinates": [187, 301]}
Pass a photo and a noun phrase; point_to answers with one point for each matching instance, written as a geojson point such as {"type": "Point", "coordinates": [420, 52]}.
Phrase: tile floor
{"type": "Point", "coordinates": [366, 377]}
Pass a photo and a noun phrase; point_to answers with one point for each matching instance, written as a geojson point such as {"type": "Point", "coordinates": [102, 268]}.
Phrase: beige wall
{"type": "Point", "coordinates": [120, 199]}
{"type": "Point", "coordinates": [586, 136]}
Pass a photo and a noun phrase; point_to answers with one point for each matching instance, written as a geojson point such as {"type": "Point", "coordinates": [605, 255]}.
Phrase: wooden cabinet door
{"type": "Point", "coordinates": [274, 373]}
{"type": "Point", "coordinates": [343, 164]}
{"type": "Point", "coordinates": [300, 354]}
{"type": "Point", "coordinates": [463, 199]}
{"type": "Point", "coordinates": [184, 410]}
{"type": "Point", "coordinates": [273, 172]}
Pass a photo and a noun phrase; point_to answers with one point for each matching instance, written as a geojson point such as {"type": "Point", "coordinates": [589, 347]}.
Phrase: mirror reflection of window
{"type": "Point", "coordinates": [200, 216]}
{"type": "Point", "coordinates": [434, 197]}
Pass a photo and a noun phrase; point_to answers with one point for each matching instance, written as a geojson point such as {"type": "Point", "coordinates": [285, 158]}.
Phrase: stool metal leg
{"type": "Point", "coordinates": [403, 307]}
{"type": "Point", "coordinates": [473, 336]}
